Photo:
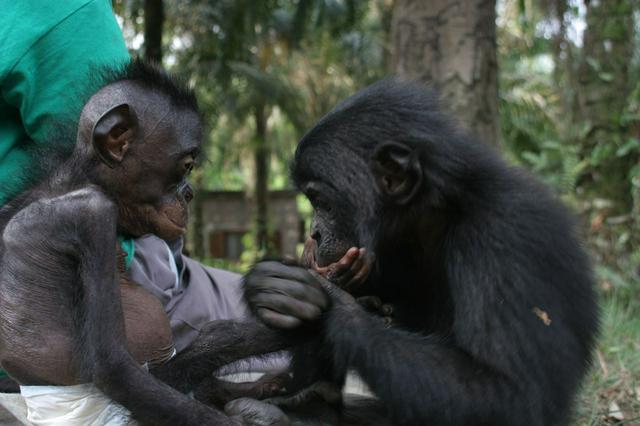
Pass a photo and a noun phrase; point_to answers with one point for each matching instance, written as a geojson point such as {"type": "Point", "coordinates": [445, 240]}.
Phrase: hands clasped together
{"type": "Point", "coordinates": [286, 296]}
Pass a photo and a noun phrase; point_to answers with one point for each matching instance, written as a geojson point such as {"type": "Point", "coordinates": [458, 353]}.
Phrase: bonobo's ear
{"type": "Point", "coordinates": [397, 171]}
{"type": "Point", "coordinates": [113, 133]}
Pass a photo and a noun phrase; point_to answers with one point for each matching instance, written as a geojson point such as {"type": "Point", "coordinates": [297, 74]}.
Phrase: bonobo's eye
{"type": "Point", "coordinates": [317, 198]}
{"type": "Point", "coordinates": [186, 165]}
{"type": "Point", "coordinates": [320, 204]}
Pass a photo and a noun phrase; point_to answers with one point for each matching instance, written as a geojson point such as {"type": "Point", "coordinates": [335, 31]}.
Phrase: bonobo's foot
{"type": "Point", "coordinates": [319, 391]}
{"type": "Point", "coordinates": [256, 413]}
{"type": "Point", "coordinates": [374, 305]}
{"type": "Point", "coordinates": [218, 392]}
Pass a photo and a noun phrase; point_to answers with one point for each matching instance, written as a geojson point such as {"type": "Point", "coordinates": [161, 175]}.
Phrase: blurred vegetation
{"type": "Point", "coordinates": [569, 112]}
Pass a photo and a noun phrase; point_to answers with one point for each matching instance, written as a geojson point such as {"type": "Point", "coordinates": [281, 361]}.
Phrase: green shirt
{"type": "Point", "coordinates": [46, 51]}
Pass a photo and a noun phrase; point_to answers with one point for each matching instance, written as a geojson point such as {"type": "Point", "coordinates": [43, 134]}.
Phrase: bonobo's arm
{"type": "Point", "coordinates": [101, 339]}
{"type": "Point", "coordinates": [417, 376]}
{"type": "Point", "coordinates": [220, 343]}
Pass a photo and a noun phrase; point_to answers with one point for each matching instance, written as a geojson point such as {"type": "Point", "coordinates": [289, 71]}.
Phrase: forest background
{"type": "Point", "coordinates": [554, 84]}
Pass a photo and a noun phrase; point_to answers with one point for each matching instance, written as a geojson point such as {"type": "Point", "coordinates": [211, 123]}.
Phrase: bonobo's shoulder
{"type": "Point", "coordinates": [89, 198]}
{"type": "Point", "coordinates": [76, 203]}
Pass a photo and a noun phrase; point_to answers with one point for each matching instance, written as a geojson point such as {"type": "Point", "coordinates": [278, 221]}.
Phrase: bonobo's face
{"type": "Point", "coordinates": [146, 146]}
{"type": "Point", "coordinates": [350, 189]}
{"type": "Point", "coordinates": [338, 185]}
{"type": "Point", "coordinates": [331, 226]}
{"type": "Point", "coordinates": [155, 187]}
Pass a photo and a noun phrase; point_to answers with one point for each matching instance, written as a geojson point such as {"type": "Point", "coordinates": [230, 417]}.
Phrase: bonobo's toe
{"type": "Point", "coordinates": [256, 413]}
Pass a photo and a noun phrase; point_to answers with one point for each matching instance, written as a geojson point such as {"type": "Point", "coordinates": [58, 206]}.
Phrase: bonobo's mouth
{"type": "Point", "coordinates": [326, 260]}
{"type": "Point", "coordinates": [314, 258]}
{"type": "Point", "coordinates": [171, 222]}
{"type": "Point", "coordinates": [180, 226]}
{"type": "Point", "coordinates": [326, 257]}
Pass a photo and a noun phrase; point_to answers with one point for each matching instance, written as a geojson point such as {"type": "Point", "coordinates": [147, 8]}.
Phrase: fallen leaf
{"type": "Point", "coordinates": [615, 411]}
{"type": "Point", "coordinates": [542, 315]}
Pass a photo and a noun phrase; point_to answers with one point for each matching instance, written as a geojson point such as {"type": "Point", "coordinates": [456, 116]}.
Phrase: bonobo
{"type": "Point", "coordinates": [68, 314]}
{"type": "Point", "coordinates": [494, 310]}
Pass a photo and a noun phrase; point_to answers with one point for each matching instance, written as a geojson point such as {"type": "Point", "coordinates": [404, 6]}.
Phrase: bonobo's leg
{"type": "Point", "coordinates": [8, 385]}
{"type": "Point", "coordinates": [218, 392]}
{"type": "Point", "coordinates": [104, 358]}
{"type": "Point", "coordinates": [220, 343]}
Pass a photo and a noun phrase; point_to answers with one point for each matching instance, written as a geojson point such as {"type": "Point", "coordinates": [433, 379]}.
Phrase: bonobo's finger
{"type": "Point", "coordinates": [258, 413]}
{"type": "Point", "coordinates": [287, 305]}
{"type": "Point", "coordinates": [357, 271]}
{"type": "Point", "coordinates": [277, 320]}
{"type": "Point", "coordinates": [387, 321]}
{"type": "Point", "coordinates": [336, 293]}
{"type": "Point", "coordinates": [361, 268]}
{"type": "Point", "coordinates": [308, 258]}
{"type": "Point", "coordinates": [280, 270]}
{"type": "Point", "coordinates": [342, 271]}
{"type": "Point", "coordinates": [360, 276]}
{"type": "Point", "coordinates": [338, 268]}
{"type": "Point", "coordinates": [286, 287]}
{"type": "Point", "coordinates": [370, 303]}
{"type": "Point", "coordinates": [386, 310]}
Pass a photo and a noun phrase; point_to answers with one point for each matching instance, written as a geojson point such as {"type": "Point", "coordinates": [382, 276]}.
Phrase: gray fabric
{"type": "Point", "coordinates": [203, 294]}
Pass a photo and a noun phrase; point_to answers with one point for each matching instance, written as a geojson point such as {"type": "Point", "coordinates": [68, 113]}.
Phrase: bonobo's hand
{"type": "Point", "coordinates": [339, 297]}
{"type": "Point", "coordinates": [252, 412]}
{"type": "Point", "coordinates": [284, 296]}
{"type": "Point", "coordinates": [348, 273]}
{"type": "Point", "coordinates": [374, 305]}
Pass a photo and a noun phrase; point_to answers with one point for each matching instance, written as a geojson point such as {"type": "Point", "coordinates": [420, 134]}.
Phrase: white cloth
{"type": "Point", "coordinates": [78, 405]}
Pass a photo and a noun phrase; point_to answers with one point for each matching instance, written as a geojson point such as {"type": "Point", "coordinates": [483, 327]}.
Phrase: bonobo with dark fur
{"type": "Point", "coordinates": [494, 309]}
{"type": "Point", "coordinates": [68, 313]}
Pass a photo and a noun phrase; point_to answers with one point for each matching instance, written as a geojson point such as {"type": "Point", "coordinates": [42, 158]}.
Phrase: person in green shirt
{"type": "Point", "coordinates": [46, 51]}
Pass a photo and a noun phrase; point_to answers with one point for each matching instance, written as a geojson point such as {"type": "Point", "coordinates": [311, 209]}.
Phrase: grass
{"type": "Point", "coordinates": [611, 392]}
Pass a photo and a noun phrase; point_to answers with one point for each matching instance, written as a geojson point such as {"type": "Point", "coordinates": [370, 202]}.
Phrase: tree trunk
{"type": "Point", "coordinates": [261, 156]}
{"type": "Point", "coordinates": [451, 44]}
{"type": "Point", "coordinates": [153, 22]}
{"type": "Point", "coordinates": [604, 88]}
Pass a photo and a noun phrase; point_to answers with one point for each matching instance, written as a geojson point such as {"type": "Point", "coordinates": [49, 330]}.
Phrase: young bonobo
{"type": "Point", "coordinates": [494, 314]}
{"type": "Point", "coordinates": [68, 314]}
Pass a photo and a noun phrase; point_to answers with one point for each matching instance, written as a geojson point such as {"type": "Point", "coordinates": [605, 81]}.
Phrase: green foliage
{"type": "Point", "coordinates": [611, 391]}
{"type": "Point", "coordinates": [583, 144]}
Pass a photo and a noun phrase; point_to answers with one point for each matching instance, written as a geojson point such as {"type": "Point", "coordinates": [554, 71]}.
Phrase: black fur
{"type": "Point", "coordinates": [495, 312]}
{"type": "Point", "coordinates": [153, 78]}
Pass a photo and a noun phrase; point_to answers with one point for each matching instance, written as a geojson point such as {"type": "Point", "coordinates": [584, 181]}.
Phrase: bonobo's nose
{"type": "Point", "coordinates": [186, 191]}
{"type": "Point", "coordinates": [315, 231]}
